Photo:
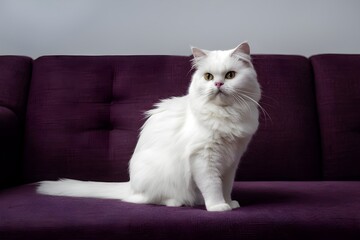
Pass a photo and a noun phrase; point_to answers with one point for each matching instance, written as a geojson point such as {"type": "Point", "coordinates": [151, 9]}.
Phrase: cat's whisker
{"type": "Point", "coordinates": [247, 92]}
{"type": "Point", "coordinates": [240, 98]}
{"type": "Point", "coordinates": [242, 102]}
{"type": "Point", "coordinates": [266, 114]}
{"type": "Point", "coordinates": [262, 97]}
{"type": "Point", "coordinates": [237, 97]}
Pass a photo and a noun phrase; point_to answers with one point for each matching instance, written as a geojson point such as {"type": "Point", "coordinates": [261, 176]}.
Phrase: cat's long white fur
{"type": "Point", "coordinates": [189, 147]}
{"type": "Point", "coordinates": [75, 188]}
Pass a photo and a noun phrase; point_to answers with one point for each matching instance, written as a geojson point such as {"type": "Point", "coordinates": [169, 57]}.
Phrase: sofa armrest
{"type": "Point", "coordinates": [15, 74]}
{"type": "Point", "coordinates": [10, 148]}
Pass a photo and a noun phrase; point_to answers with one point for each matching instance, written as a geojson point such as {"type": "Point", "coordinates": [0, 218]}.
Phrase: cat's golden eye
{"type": "Point", "coordinates": [208, 76]}
{"type": "Point", "coordinates": [230, 75]}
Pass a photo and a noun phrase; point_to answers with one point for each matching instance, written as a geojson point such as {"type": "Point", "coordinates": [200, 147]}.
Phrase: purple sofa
{"type": "Point", "coordinates": [79, 117]}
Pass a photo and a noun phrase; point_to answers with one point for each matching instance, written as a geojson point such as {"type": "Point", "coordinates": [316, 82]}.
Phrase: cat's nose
{"type": "Point", "coordinates": [219, 84]}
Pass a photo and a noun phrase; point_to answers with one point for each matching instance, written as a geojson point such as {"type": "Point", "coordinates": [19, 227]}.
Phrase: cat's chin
{"type": "Point", "coordinates": [221, 99]}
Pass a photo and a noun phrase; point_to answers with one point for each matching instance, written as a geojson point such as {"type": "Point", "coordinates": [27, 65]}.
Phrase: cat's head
{"type": "Point", "coordinates": [224, 77]}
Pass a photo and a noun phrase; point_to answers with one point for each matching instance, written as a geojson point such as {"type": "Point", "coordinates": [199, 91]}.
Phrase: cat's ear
{"type": "Point", "coordinates": [242, 52]}
{"type": "Point", "coordinates": [243, 48]}
{"type": "Point", "coordinates": [198, 53]}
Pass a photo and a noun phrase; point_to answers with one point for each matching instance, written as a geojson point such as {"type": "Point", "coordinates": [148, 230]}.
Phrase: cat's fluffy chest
{"type": "Point", "coordinates": [222, 123]}
{"type": "Point", "coordinates": [215, 136]}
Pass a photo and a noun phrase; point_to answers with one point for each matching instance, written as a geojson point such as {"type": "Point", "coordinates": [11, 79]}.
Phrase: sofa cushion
{"type": "Point", "coordinates": [270, 210]}
{"type": "Point", "coordinates": [84, 113]}
{"type": "Point", "coordinates": [337, 80]}
{"type": "Point", "coordinates": [287, 145]}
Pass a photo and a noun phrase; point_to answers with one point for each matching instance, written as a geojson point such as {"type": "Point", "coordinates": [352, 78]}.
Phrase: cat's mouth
{"type": "Point", "coordinates": [220, 98]}
{"type": "Point", "coordinates": [220, 92]}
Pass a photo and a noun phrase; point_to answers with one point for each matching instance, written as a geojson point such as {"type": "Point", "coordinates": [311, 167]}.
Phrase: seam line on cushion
{"type": "Point", "coordinates": [318, 116]}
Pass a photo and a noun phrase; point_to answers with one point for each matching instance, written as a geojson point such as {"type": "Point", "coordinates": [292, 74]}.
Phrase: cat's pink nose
{"type": "Point", "coordinates": [219, 84]}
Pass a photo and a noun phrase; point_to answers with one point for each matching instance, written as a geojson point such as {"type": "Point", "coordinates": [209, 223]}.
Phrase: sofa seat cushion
{"type": "Point", "coordinates": [270, 210]}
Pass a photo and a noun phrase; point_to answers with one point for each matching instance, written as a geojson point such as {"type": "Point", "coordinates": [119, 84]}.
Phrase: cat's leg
{"type": "Point", "coordinates": [208, 180]}
{"type": "Point", "coordinates": [228, 182]}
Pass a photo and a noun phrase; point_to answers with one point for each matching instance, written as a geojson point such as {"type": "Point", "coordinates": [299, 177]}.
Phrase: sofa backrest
{"type": "Point", "coordinates": [337, 79]}
{"type": "Point", "coordinates": [287, 144]}
{"type": "Point", "coordinates": [15, 75]}
{"type": "Point", "coordinates": [84, 115]}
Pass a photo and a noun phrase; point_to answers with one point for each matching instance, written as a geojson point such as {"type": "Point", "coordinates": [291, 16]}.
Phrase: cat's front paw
{"type": "Point", "coordinates": [234, 204]}
{"type": "Point", "coordinates": [219, 207]}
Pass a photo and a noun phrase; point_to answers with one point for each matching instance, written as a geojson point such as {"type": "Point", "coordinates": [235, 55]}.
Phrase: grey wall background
{"type": "Point", "coordinates": [92, 27]}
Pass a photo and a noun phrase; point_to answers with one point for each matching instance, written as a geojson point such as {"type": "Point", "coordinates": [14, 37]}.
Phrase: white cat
{"type": "Point", "coordinates": [189, 147]}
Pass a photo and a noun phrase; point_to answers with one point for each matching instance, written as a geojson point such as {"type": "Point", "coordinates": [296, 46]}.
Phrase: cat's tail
{"type": "Point", "coordinates": [75, 188]}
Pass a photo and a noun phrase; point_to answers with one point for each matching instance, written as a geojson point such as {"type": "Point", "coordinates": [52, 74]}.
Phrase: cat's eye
{"type": "Point", "coordinates": [208, 76]}
{"type": "Point", "coordinates": [230, 75]}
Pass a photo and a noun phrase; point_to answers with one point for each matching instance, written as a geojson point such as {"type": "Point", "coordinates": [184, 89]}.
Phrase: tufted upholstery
{"type": "Point", "coordinates": [83, 115]}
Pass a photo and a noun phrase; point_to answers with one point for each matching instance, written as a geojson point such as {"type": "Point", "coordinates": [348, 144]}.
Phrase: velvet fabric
{"type": "Point", "coordinates": [84, 113]}
{"type": "Point", "coordinates": [14, 83]}
{"type": "Point", "coordinates": [337, 80]}
{"type": "Point", "coordinates": [15, 75]}
{"type": "Point", "coordinates": [84, 116]}
{"type": "Point", "coordinates": [270, 210]}
{"type": "Point", "coordinates": [286, 145]}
